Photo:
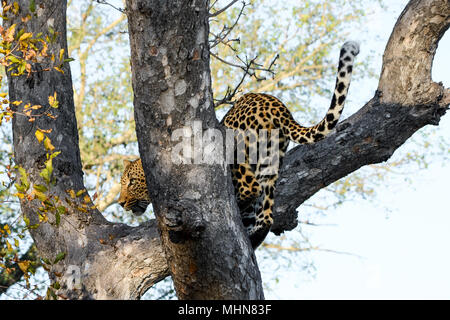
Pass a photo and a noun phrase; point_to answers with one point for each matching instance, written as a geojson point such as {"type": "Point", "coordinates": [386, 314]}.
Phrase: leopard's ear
{"type": "Point", "coordinates": [126, 163]}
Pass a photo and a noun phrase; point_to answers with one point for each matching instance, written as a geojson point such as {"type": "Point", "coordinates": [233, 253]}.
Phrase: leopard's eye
{"type": "Point", "coordinates": [132, 181]}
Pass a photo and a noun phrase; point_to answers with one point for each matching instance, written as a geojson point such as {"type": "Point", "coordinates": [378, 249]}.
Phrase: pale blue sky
{"type": "Point", "coordinates": [403, 252]}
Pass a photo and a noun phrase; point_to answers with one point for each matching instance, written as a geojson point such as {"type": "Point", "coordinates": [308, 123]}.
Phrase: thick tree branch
{"type": "Point", "coordinates": [408, 58]}
{"type": "Point", "coordinates": [106, 260]}
{"type": "Point", "coordinates": [407, 99]}
{"type": "Point", "coordinates": [101, 260]}
{"type": "Point", "coordinates": [204, 240]}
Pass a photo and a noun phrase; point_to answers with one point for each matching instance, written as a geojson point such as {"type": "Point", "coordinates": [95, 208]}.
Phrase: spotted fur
{"type": "Point", "coordinates": [254, 183]}
{"type": "Point", "coordinates": [133, 193]}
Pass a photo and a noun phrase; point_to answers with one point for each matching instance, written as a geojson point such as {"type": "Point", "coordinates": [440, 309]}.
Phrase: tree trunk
{"type": "Point", "coordinates": [208, 253]}
{"type": "Point", "coordinates": [101, 260]}
{"type": "Point", "coordinates": [202, 243]}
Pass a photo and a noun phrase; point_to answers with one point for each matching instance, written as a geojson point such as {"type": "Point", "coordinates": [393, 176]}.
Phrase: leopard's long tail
{"type": "Point", "coordinates": [300, 134]}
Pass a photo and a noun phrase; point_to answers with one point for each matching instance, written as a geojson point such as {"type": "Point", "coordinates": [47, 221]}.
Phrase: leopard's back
{"type": "Point", "coordinates": [255, 182]}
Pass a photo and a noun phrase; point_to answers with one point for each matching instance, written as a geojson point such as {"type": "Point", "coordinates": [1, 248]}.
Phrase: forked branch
{"type": "Point", "coordinates": [249, 68]}
{"type": "Point", "coordinates": [407, 99]}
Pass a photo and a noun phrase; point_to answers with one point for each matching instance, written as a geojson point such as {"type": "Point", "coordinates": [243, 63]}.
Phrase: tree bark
{"type": "Point", "coordinates": [202, 243]}
{"type": "Point", "coordinates": [406, 100]}
{"type": "Point", "coordinates": [102, 260]}
{"type": "Point", "coordinates": [208, 253]}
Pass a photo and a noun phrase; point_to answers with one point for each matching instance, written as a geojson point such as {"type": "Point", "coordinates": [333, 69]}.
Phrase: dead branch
{"type": "Point", "coordinates": [215, 14]}
{"type": "Point", "coordinates": [249, 68]}
{"type": "Point", "coordinates": [109, 4]}
{"type": "Point", "coordinates": [225, 32]}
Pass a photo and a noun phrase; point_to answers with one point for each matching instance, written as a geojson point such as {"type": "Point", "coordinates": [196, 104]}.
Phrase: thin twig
{"type": "Point", "coordinates": [212, 5]}
{"type": "Point", "coordinates": [109, 4]}
{"type": "Point", "coordinates": [311, 248]}
{"type": "Point", "coordinates": [249, 68]}
{"type": "Point", "coordinates": [309, 223]}
{"type": "Point", "coordinates": [223, 34]}
{"type": "Point", "coordinates": [245, 66]}
{"type": "Point", "coordinates": [225, 42]}
{"type": "Point", "coordinates": [215, 14]}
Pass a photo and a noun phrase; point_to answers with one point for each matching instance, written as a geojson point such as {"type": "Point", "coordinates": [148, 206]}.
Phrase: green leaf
{"type": "Point", "coordinates": [20, 33]}
{"type": "Point", "coordinates": [49, 165]}
{"type": "Point", "coordinates": [23, 179]}
{"type": "Point", "coordinates": [8, 246]}
{"type": "Point", "coordinates": [48, 144]}
{"type": "Point", "coordinates": [45, 175]}
{"type": "Point", "coordinates": [57, 217]}
{"type": "Point", "coordinates": [41, 196]}
{"type": "Point", "coordinates": [21, 68]}
{"type": "Point", "coordinates": [26, 220]}
{"type": "Point", "coordinates": [40, 188]}
{"type": "Point", "coordinates": [54, 154]}
{"type": "Point", "coordinates": [32, 6]}
{"type": "Point", "coordinates": [59, 257]}
{"type": "Point", "coordinates": [13, 59]}
{"type": "Point", "coordinates": [20, 188]}
{"type": "Point", "coordinates": [51, 294]}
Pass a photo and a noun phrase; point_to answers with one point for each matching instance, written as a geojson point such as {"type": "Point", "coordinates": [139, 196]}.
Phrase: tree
{"type": "Point", "coordinates": [202, 243]}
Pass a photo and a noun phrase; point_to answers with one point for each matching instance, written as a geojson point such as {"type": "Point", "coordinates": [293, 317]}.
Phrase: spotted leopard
{"type": "Point", "coordinates": [254, 183]}
{"type": "Point", "coordinates": [133, 193]}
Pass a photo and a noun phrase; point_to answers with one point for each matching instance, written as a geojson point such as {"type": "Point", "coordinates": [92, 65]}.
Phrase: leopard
{"type": "Point", "coordinates": [255, 181]}
{"type": "Point", "coordinates": [134, 195]}
{"type": "Point", "coordinates": [254, 184]}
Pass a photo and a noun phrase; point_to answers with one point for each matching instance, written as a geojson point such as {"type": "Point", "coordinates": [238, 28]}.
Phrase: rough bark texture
{"type": "Point", "coordinates": [208, 253]}
{"type": "Point", "coordinates": [102, 260]}
{"type": "Point", "coordinates": [201, 236]}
